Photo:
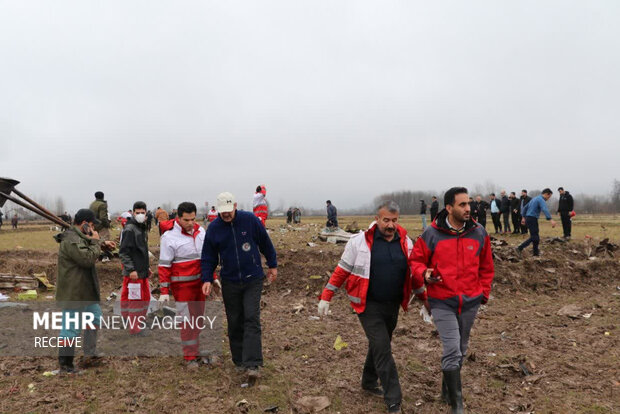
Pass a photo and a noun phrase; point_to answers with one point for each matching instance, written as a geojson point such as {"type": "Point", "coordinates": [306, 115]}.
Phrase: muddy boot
{"type": "Point", "coordinates": [455, 391]}
{"type": "Point", "coordinates": [90, 359]}
{"type": "Point", "coordinates": [65, 359]}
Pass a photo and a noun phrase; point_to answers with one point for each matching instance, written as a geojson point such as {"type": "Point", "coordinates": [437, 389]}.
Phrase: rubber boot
{"type": "Point", "coordinates": [65, 359]}
{"type": "Point", "coordinates": [455, 391]}
{"type": "Point", "coordinates": [90, 349]}
{"type": "Point", "coordinates": [444, 391]}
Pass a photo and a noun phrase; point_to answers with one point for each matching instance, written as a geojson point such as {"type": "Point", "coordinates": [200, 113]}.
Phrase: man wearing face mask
{"type": "Point", "coordinates": [375, 268]}
{"type": "Point", "coordinates": [134, 255]}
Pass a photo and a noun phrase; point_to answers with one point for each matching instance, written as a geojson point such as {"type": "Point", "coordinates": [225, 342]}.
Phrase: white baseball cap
{"type": "Point", "coordinates": [225, 202]}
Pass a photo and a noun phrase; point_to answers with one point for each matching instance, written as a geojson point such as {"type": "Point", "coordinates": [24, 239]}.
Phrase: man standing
{"type": "Point", "coordinates": [235, 240]}
{"type": "Point", "coordinates": [456, 288]}
{"type": "Point", "coordinates": [100, 208]}
{"type": "Point", "coordinates": [134, 255]}
{"type": "Point", "coordinates": [495, 212]}
{"type": "Point", "coordinates": [332, 215]}
{"type": "Point", "coordinates": [179, 271]}
{"type": "Point", "coordinates": [434, 208]}
{"type": "Point", "coordinates": [259, 204]}
{"type": "Point", "coordinates": [375, 267]}
{"type": "Point", "coordinates": [565, 208]}
{"type": "Point", "coordinates": [149, 221]}
{"type": "Point", "coordinates": [77, 286]}
{"type": "Point", "coordinates": [505, 210]}
{"type": "Point", "coordinates": [482, 207]}
{"type": "Point", "coordinates": [524, 200]}
{"type": "Point", "coordinates": [530, 213]}
{"type": "Point", "coordinates": [423, 213]}
{"type": "Point", "coordinates": [14, 221]}
{"type": "Point", "coordinates": [515, 213]}
{"type": "Point", "coordinates": [160, 215]}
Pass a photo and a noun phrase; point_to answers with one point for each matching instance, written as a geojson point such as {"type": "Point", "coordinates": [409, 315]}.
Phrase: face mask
{"type": "Point", "coordinates": [140, 218]}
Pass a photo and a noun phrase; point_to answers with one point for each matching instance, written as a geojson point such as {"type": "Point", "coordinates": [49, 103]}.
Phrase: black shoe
{"type": "Point", "coordinates": [455, 391]}
{"type": "Point", "coordinates": [394, 408]}
{"type": "Point", "coordinates": [65, 360]}
{"type": "Point", "coordinates": [375, 391]}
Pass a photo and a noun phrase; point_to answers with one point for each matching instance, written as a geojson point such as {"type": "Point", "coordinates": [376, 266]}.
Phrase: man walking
{"type": "Point", "coordinates": [235, 240]}
{"type": "Point", "coordinates": [375, 267]}
{"type": "Point", "coordinates": [524, 200]}
{"type": "Point", "coordinates": [505, 211]}
{"type": "Point", "coordinates": [434, 208]}
{"type": "Point", "coordinates": [515, 212]}
{"type": "Point", "coordinates": [134, 255]}
{"type": "Point", "coordinates": [531, 212]}
{"type": "Point", "coordinates": [565, 209]}
{"type": "Point", "coordinates": [495, 212]}
{"type": "Point", "coordinates": [179, 272]}
{"type": "Point", "coordinates": [423, 213]}
{"type": "Point", "coordinates": [456, 288]}
{"type": "Point", "coordinates": [77, 287]}
{"type": "Point", "coordinates": [100, 208]}
{"type": "Point", "coordinates": [332, 215]}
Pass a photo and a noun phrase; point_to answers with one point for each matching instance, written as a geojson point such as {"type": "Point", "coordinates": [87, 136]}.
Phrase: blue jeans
{"type": "Point", "coordinates": [423, 220]}
{"type": "Point", "coordinates": [532, 226]}
{"type": "Point", "coordinates": [73, 330]}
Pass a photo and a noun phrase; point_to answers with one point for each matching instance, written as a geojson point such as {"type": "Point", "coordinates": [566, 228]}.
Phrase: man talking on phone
{"type": "Point", "coordinates": [77, 285]}
{"type": "Point", "coordinates": [454, 258]}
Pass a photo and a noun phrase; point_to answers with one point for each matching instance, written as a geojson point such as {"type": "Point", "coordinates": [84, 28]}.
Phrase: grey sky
{"type": "Point", "coordinates": [174, 101]}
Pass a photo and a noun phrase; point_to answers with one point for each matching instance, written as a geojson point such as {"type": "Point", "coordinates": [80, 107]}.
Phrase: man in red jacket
{"type": "Point", "coordinates": [454, 258]}
{"type": "Point", "coordinates": [375, 267]}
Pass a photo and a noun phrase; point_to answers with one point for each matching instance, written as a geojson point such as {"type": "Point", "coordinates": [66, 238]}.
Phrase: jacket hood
{"type": "Point", "coordinates": [440, 223]}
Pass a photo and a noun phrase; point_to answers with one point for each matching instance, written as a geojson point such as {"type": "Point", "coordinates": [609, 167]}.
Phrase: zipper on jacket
{"type": "Point", "coordinates": [232, 226]}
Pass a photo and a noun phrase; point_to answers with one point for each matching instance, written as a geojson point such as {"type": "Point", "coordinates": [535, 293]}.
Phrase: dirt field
{"type": "Point", "coordinates": [524, 356]}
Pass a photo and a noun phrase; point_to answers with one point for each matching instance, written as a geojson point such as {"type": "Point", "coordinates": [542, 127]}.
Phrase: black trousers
{"type": "Point", "coordinates": [379, 320]}
{"type": "Point", "coordinates": [483, 221]}
{"type": "Point", "coordinates": [496, 222]}
{"type": "Point", "coordinates": [242, 303]}
{"type": "Point", "coordinates": [516, 222]}
{"type": "Point", "coordinates": [566, 223]}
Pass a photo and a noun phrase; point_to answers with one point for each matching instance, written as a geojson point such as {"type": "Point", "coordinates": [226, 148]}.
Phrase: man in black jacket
{"type": "Point", "coordinates": [481, 209]}
{"type": "Point", "coordinates": [565, 207]}
{"type": "Point", "coordinates": [134, 255]}
{"type": "Point", "coordinates": [505, 210]}
{"type": "Point", "coordinates": [515, 213]}
{"type": "Point", "coordinates": [434, 208]}
{"type": "Point", "coordinates": [523, 202]}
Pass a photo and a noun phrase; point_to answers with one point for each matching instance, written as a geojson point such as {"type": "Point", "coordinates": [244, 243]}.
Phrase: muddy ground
{"type": "Point", "coordinates": [525, 356]}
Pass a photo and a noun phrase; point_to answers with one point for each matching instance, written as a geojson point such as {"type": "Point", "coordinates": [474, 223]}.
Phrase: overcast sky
{"type": "Point", "coordinates": [173, 101]}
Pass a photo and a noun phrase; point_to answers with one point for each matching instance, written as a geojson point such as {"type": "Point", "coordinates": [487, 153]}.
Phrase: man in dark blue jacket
{"type": "Point", "coordinates": [236, 239]}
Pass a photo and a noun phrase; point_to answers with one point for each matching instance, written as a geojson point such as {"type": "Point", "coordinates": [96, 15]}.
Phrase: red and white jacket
{"type": "Point", "coordinates": [179, 257]}
{"type": "Point", "coordinates": [259, 204]}
{"type": "Point", "coordinates": [354, 268]}
{"type": "Point", "coordinates": [211, 216]}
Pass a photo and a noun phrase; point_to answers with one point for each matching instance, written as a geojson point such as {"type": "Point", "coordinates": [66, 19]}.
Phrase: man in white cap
{"type": "Point", "coordinates": [236, 239]}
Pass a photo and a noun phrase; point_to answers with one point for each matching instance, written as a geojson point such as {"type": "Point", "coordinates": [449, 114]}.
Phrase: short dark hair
{"type": "Point", "coordinates": [513, 193]}
{"type": "Point", "coordinates": [493, 194]}
{"type": "Point", "coordinates": [258, 189]}
{"type": "Point", "coordinates": [435, 198]}
{"type": "Point", "coordinates": [560, 188]}
{"type": "Point", "coordinates": [450, 195]}
{"type": "Point", "coordinates": [547, 191]}
{"type": "Point", "coordinates": [139, 204]}
{"type": "Point", "coordinates": [99, 195]}
{"type": "Point", "coordinates": [524, 191]}
{"type": "Point", "coordinates": [186, 207]}
{"type": "Point", "coordinates": [328, 201]}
